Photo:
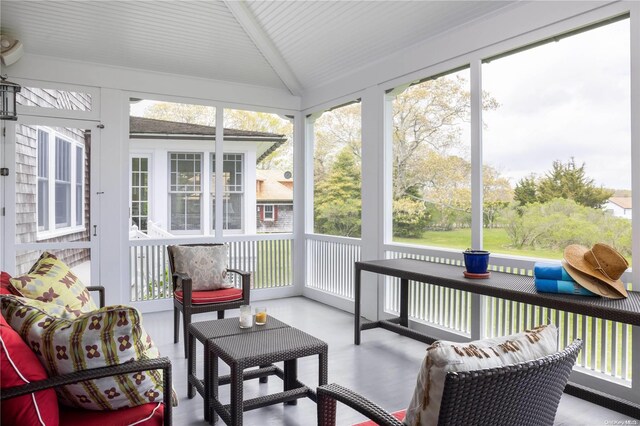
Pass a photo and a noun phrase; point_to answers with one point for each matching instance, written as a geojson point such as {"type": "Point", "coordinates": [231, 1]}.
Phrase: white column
{"type": "Point", "coordinates": [300, 201]}
{"type": "Point", "coordinates": [477, 310]}
{"type": "Point", "coordinates": [635, 182]}
{"type": "Point", "coordinates": [373, 203]}
{"type": "Point", "coordinates": [111, 209]}
{"type": "Point", "coordinates": [219, 175]}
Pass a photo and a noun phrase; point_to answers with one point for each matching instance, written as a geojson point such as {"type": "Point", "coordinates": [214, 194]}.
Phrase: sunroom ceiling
{"type": "Point", "coordinates": [284, 45]}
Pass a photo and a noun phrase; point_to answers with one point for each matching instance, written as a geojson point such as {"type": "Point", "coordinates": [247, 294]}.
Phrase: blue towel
{"type": "Point", "coordinates": [560, 286]}
{"type": "Point", "coordinates": [551, 271]}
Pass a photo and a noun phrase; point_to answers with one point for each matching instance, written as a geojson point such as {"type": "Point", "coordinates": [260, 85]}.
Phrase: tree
{"type": "Point", "coordinates": [337, 207]}
{"type": "Point", "coordinates": [427, 118]}
{"type": "Point", "coordinates": [560, 222]}
{"type": "Point", "coordinates": [566, 181]}
{"type": "Point", "coordinates": [410, 218]}
{"type": "Point", "coordinates": [497, 194]}
{"type": "Point", "coordinates": [525, 190]}
{"type": "Point", "coordinates": [182, 113]}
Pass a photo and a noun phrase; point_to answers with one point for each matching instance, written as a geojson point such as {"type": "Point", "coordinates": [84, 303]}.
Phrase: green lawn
{"type": "Point", "coordinates": [495, 240]}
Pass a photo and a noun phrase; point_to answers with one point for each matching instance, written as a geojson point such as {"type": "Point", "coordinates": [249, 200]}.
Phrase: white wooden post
{"type": "Point", "coordinates": [373, 182]}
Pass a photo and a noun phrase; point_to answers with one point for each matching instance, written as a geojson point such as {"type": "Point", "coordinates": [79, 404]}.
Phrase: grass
{"type": "Point", "coordinates": [495, 240]}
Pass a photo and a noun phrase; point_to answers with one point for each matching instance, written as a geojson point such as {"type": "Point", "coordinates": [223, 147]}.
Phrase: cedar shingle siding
{"type": "Point", "coordinates": [26, 177]}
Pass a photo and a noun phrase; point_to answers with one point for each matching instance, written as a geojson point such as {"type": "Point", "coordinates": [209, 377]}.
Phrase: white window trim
{"type": "Point", "coordinates": [74, 226]}
{"type": "Point", "coordinates": [203, 194]}
{"type": "Point", "coordinates": [212, 156]}
{"type": "Point", "coordinates": [148, 156]}
{"type": "Point", "coordinates": [272, 212]}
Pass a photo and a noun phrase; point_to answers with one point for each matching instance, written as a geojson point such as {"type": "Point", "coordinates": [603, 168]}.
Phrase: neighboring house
{"type": "Point", "coordinates": [274, 201]}
{"type": "Point", "coordinates": [619, 207]}
{"type": "Point", "coordinates": [173, 176]}
{"type": "Point", "coordinates": [52, 180]}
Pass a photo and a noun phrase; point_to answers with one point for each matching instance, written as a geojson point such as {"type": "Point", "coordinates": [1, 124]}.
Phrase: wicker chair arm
{"type": "Point", "coordinates": [329, 394]}
{"type": "Point", "coordinates": [163, 364]}
{"type": "Point", "coordinates": [246, 282]}
{"type": "Point", "coordinates": [239, 272]}
{"type": "Point", "coordinates": [100, 290]}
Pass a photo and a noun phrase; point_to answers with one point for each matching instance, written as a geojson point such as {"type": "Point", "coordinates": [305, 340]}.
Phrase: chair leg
{"type": "Point", "coordinates": [176, 325]}
{"type": "Point", "coordinates": [221, 314]}
{"type": "Point", "coordinates": [326, 410]}
{"type": "Point", "coordinates": [187, 320]}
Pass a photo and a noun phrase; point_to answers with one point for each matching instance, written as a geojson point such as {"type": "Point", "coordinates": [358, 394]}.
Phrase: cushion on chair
{"type": "Point", "coordinates": [150, 414]}
{"type": "Point", "coordinates": [19, 365]}
{"type": "Point", "coordinates": [205, 265]}
{"type": "Point", "coordinates": [5, 284]}
{"type": "Point", "coordinates": [50, 280]}
{"type": "Point", "coordinates": [443, 356]}
{"type": "Point", "coordinates": [398, 415]}
{"type": "Point", "coordinates": [212, 296]}
{"type": "Point", "coordinates": [108, 336]}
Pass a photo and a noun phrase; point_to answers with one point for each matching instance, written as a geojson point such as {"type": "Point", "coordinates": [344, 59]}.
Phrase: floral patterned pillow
{"type": "Point", "coordinates": [109, 336]}
{"type": "Point", "coordinates": [205, 265]}
{"type": "Point", "coordinates": [51, 281]}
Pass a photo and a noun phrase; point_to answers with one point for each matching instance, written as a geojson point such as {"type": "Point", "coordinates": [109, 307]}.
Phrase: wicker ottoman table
{"type": "Point", "coordinates": [205, 331]}
{"type": "Point", "coordinates": [261, 349]}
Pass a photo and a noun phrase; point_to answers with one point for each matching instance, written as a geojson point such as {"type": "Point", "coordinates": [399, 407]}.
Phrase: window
{"type": "Point", "coordinates": [561, 138]}
{"type": "Point", "coordinates": [431, 169]}
{"type": "Point", "coordinates": [63, 183]}
{"type": "Point", "coordinates": [60, 198]}
{"type": "Point", "coordinates": [337, 172]}
{"type": "Point", "coordinates": [269, 212]}
{"type": "Point", "coordinates": [233, 200]}
{"type": "Point", "coordinates": [140, 192]}
{"type": "Point", "coordinates": [185, 191]}
{"type": "Point", "coordinates": [43, 180]}
{"type": "Point", "coordinates": [79, 186]}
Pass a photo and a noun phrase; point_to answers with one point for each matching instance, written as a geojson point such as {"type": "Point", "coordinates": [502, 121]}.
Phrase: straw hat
{"type": "Point", "coordinates": [597, 269]}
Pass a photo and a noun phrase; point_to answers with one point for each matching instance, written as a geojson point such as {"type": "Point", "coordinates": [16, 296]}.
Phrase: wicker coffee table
{"type": "Point", "coordinates": [242, 348]}
{"type": "Point", "coordinates": [203, 332]}
{"type": "Point", "coordinates": [261, 349]}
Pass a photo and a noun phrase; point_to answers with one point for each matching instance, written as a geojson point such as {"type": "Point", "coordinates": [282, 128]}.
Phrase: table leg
{"type": "Point", "coordinates": [191, 366]}
{"type": "Point", "coordinates": [236, 394]}
{"type": "Point", "coordinates": [264, 379]}
{"type": "Point", "coordinates": [404, 302]}
{"type": "Point", "coordinates": [323, 367]}
{"type": "Point", "coordinates": [207, 381]}
{"type": "Point", "coordinates": [290, 377]}
{"type": "Point", "coordinates": [356, 310]}
{"type": "Point", "coordinates": [213, 389]}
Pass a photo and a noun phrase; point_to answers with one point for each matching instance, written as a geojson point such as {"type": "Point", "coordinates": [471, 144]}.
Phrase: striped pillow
{"type": "Point", "coordinates": [109, 336]}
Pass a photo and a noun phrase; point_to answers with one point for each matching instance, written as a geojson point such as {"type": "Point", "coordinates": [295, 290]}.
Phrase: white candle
{"type": "Point", "coordinates": [246, 316]}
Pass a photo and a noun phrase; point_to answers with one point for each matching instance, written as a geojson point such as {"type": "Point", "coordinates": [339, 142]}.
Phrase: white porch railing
{"type": "Point", "coordinates": [330, 263]}
{"type": "Point", "coordinates": [267, 257]}
{"type": "Point", "coordinates": [607, 344]}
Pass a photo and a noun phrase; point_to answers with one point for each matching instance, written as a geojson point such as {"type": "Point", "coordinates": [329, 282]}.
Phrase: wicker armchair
{"type": "Point", "coordinates": [163, 364]}
{"type": "Point", "coordinates": [527, 393]}
{"type": "Point", "coordinates": [99, 417]}
{"type": "Point", "coordinates": [188, 303]}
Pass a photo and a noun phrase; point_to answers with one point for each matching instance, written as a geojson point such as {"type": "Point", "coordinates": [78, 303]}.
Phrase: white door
{"type": "Point", "coordinates": [51, 194]}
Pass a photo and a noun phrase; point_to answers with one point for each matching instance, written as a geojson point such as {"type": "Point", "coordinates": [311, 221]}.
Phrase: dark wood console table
{"type": "Point", "coordinates": [518, 288]}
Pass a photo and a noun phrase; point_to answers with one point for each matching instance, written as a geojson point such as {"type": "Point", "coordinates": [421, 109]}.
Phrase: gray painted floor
{"type": "Point", "coordinates": [383, 368]}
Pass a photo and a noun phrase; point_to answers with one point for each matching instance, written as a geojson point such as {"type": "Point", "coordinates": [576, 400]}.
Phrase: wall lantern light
{"type": "Point", "coordinates": [8, 91]}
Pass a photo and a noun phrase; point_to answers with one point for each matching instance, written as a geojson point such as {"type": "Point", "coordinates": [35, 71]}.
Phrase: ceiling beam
{"type": "Point", "coordinates": [265, 45]}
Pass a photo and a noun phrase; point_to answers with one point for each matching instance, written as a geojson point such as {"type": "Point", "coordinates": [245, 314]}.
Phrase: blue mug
{"type": "Point", "coordinates": [476, 261]}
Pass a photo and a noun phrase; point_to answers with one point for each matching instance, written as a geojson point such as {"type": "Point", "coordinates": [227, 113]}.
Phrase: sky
{"type": "Point", "coordinates": [565, 99]}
